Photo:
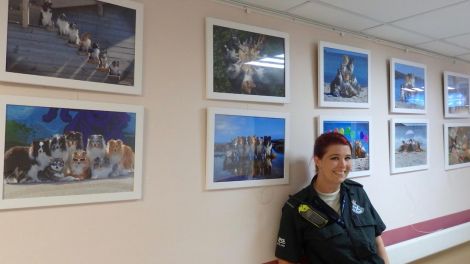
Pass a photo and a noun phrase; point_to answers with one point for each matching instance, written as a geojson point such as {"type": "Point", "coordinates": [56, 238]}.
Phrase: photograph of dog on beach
{"type": "Point", "coordinates": [344, 76]}
{"type": "Point", "coordinates": [409, 149]}
{"type": "Point", "coordinates": [357, 132]}
{"type": "Point", "coordinates": [52, 151]}
{"type": "Point", "coordinates": [246, 148]}
{"type": "Point", "coordinates": [85, 40]}
{"type": "Point", "coordinates": [408, 86]}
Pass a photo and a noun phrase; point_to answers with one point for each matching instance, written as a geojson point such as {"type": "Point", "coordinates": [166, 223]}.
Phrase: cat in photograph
{"type": "Point", "coordinates": [114, 69]}
{"type": "Point", "coordinates": [103, 64]}
{"type": "Point", "coordinates": [74, 38]}
{"type": "Point", "coordinates": [121, 157]}
{"type": "Point", "coordinates": [46, 15]}
{"type": "Point", "coordinates": [85, 42]}
{"type": "Point", "coordinates": [79, 165]}
{"type": "Point", "coordinates": [94, 53]}
{"type": "Point", "coordinates": [63, 25]}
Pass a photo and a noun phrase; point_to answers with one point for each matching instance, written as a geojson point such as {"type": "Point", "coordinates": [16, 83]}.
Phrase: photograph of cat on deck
{"type": "Point", "coordinates": [58, 151]}
{"type": "Point", "coordinates": [77, 40]}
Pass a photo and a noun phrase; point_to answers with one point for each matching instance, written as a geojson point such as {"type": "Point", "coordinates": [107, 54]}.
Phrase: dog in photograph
{"type": "Point", "coordinates": [73, 142]}
{"type": "Point", "coordinates": [22, 163]}
{"type": "Point", "coordinates": [101, 168]}
{"type": "Point", "coordinates": [54, 171]}
{"type": "Point", "coordinates": [17, 163]}
{"type": "Point", "coordinates": [58, 147]}
{"type": "Point", "coordinates": [121, 157]}
{"type": "Point", "coordinates": [74, 38]}
{"type": "Point", "coordinates": [46, 15]}
{"type": "Point", "coordinates": [63, 25]}
{"type": "Point", "coordinates": [96, 148]}
{"type": "Point", "coordinates": [79, 165]}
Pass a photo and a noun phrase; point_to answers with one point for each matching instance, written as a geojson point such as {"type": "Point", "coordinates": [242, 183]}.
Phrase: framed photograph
{"type": "Point", "coordinates": [75, 44]}
{"type": "Point", "coordinates": [357, 131]}
{"type": "Point", "coordinates": [246, 148]}
{"type": "Point", "coordinates": [409, 148]}
{"type": "Point", "coordinates": [343, 76]}
{"type": "Point", "coordinates": [407, 87]}
{"type": "Point", "coordinates": [246, 63]}
{"type": "Point", "coordinates": [456, 145]}
{"type": "Point", "coordinates": [456, 95]}
{"type": "Point", "coordinates": [59, 152]}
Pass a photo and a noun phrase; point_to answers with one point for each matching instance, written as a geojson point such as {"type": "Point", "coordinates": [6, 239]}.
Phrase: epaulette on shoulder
{"type": "Point", "coordinates": [351, 182]}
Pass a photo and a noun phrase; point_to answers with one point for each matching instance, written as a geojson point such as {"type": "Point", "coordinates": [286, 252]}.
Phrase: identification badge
{"type": "Point", "coordinates": [313, 216]}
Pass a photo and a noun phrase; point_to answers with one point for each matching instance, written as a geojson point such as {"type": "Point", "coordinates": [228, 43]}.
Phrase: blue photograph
{"type": "Point", "coordinates": [345, 75]}
{"type": "Point", "coordinates": [410, 144]}
{"type": "Point", "coordinates": [52, 151]}
{"type": "Point", "coordinates": [457, 94]}
{"type": "Point", "coordinates": [357, 132]}
{"type": "Point", "coordinates": [409, 86]}
{"type": "Point", "coordinates": [248, 148]}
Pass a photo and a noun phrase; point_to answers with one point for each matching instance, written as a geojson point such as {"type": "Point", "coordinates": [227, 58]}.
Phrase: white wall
{"type": "Point", "coordinates": [178, 221]}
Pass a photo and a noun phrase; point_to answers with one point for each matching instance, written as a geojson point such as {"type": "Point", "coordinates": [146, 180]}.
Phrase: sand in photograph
{"type": "Point", "coordinates": [361, 98]}
{"type": "Point", "coordinates": [409, 159]}
{"type": "Point", "coordinates": [110, 185]}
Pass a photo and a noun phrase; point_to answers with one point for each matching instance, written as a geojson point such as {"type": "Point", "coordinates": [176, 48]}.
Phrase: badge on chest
{"type": "Point", "coordinates": [313, 216]}
{"type": "Point", "coordinates": [357, 209]}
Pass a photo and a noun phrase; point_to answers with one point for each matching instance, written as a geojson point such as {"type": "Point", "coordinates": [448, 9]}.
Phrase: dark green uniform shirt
{"type": "Point", "coordinates": [348, 237]}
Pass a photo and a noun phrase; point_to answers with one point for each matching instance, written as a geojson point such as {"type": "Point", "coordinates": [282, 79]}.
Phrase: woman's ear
{"type": "Point", "coordinates": [317, 161]}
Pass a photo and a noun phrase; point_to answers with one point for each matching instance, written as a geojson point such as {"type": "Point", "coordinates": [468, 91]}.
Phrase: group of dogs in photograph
{"type": "Point", "coordinates": [70, 31]}
{"type": "Point", "coordinates": [410, 145]}
{"type": "Point", "coordinates": [64, 158]}
{"type": "Point", "coordinates": [345, 83]}
{"type": "Point", "coordinates": [249, 156]}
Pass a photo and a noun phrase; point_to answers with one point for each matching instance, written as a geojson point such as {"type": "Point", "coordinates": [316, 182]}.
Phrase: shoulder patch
{"type": "Point", "coordinates": [351, 182]}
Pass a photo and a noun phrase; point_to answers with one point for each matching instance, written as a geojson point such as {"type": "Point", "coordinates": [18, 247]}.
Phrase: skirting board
{"type": "Point", "coordinates": [423, 246]}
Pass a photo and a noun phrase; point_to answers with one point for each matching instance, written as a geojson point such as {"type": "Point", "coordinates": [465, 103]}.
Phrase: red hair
{"type": "Point", "coordinates": [327, 139]}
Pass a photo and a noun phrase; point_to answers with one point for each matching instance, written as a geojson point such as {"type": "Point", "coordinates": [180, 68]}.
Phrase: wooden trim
{"type": "Point", "coordinates": [25, 13]}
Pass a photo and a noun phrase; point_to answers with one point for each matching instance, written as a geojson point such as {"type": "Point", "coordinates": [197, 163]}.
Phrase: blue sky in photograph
{"type": "Point", "coordinates": [406, 131]}
{"type": "Point", "coordinates": [332, 59]}
{"type": "Point", "coordinates": [227, 127]}
{"type": "Point", "coordinates": [352, 130]}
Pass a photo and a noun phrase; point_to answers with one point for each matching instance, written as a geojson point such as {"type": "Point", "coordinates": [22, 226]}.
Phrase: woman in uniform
{"type": "Point", "coordinates": [332, 219]}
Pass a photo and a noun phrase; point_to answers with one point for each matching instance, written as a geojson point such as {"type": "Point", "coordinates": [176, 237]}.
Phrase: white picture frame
{"type": "Point", "coordinates": [357, 129]}
{"type": "Point", "coordinates": [409, 145]}
{"type": "Point", "coordinates": [246, 148]}
{"type": "Point", "coordinates": [39, 119]}
{"type": "Point", "coordinates": [456, 149]}
{"type": "Point", "coordinates": [334, 62]}
{"type": "Point", "coordinates": [36, 54]}
{"type": "Point", "coordinates": [264, 78]}
{"type": "Point", "coordinates": [456, 91]}
{"type": "Point", "coordinates": [408, 87]}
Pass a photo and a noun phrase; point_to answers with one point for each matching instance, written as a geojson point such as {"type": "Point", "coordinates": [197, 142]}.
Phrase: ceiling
{"type": "Point", "coordinates": [434, 26]}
